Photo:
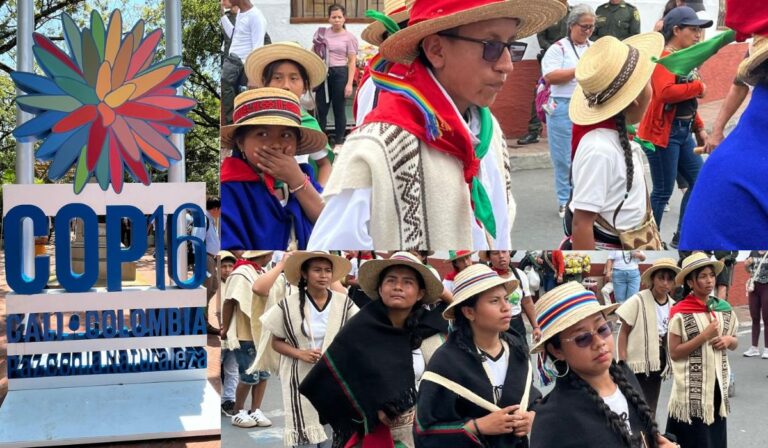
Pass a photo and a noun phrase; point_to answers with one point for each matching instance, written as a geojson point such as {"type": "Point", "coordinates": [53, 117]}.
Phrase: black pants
{"type": "Point", "coordinates": [534, 124]}
{"type": "Point", "coordinates": [336, 81]}
{"type": "Point", "coordinates": [651, 384]}
{"type": "Point", "coordinates": [697, 434]}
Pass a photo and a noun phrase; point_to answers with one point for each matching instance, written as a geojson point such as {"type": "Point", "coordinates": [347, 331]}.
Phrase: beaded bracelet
{"type": "Point", "coordinates": [300, 187]}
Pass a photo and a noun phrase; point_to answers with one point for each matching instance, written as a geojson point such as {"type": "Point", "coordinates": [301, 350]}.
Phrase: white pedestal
{"type": "Point", "coordinates": [98, 414]}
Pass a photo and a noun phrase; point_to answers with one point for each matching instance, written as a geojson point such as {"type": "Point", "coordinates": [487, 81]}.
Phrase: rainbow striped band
{"type": "Point", "coordinates": [550, 315]}
{"type": "Point", "coordinates": [271, 106]}
{"type": "Point", "coordinates": [473, 281]}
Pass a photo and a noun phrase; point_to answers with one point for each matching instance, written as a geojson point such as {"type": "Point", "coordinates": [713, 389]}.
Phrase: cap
{"type": "Point", "coordinates": [696, 5]}
{"type": "Point", "coordinates": [684, 16]}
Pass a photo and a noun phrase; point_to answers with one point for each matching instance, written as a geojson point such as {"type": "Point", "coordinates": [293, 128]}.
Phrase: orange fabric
{"type": "Point", "coordinates": [657, 122]}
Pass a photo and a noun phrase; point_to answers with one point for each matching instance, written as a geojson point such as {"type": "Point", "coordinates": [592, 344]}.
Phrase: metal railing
{"type": "Point", "coordinates": [318, 9]}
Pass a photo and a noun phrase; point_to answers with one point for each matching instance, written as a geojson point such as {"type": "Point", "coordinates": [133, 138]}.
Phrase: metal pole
{"type": "Point", "coordinates": [25, 156]}
{"type": "Point", "coordinates": [177, 171]}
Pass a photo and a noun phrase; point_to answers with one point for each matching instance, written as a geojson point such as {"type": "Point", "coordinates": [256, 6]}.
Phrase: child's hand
{"type": "Point", "coordinates": [281, 164]}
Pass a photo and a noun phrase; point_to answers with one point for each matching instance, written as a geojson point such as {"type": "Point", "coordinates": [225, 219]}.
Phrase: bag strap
{"type": "Point", "coordinates": [472, 397]}
{"type": "Point", "coordinates": [759, 266]}
{"type": "Point", "coordinates": [232, 36]}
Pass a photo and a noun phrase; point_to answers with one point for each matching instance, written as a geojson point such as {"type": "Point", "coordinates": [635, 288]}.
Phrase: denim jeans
{"type": "Point", "coordinates": [626, 283]}
{"type": "Point", "coordinates": [666, 163]}
{"type": "Point", "coordinates": [559, 131]}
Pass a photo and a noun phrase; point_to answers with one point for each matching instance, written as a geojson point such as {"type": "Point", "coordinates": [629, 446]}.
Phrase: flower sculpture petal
{"type": "Point", "coordinates": [106, 107]}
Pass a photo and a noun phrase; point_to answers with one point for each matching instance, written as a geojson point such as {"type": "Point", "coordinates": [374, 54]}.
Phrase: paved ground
{"type": "Point", "coordinates": [537, 224]}
{"type": "Point", "coordinates": [746, 424]}
{"type": "Point", "coordinates": [145, 275]}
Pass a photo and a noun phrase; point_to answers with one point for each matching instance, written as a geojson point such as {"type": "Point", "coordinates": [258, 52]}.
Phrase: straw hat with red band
{"type": "Point", "coordinates": [258, 60]}
{"type": "Point", "coordinates": [368, 277]}
{"type": "Point", "coordinates": [662, 263]}
{"type": "Point", "coordinates": [454, 255]}
{"type": "Point", "coordinates": [472, 281]}
{"type": "Point", "coordinates": [697, 261]}
{"type": "Point", "coordinates": [271, 107]}
{"type": "Point", "coordinates": [563, 307]}
{"type": "Point", "coordinates": [395, 10]}
{"type": "Point", "coordinates": [432, 16]}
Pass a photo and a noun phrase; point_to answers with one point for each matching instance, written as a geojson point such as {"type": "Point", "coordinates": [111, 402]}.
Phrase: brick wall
{"type": "Point", "coordinates": [513, 105]}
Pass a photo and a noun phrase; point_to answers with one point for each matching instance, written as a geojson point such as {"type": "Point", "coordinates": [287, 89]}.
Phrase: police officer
{"type": "Point", "coordinates": [616, 18]}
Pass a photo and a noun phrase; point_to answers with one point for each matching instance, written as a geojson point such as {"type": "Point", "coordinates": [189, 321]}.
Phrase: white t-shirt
{"type": "Point", "coordinates": [662, 318]}
{"type": "Point", "coordinates": [618, 404]}
{"type": "Point", "coordinates": [419, 366]}
{"type": "Point", "coordinates": [366, 96]}
{"type": "Point", "coordinates": [249, 30]}
{"type": "Point", "coordinates": [623, 259]}
{"type": "Point", "coordinates": [559, 56]}
{"type": "Point", "coordinates": [516, 296]}
{"type": "Point", "coordinates": [318, 321]}
{"type": "Point", "coordinates": [304, 158]}
{"type": "Point", "coordinates": [448, 284]}
{"type": "Point", "coordinates": [600, 179]}
{"type": "Point", "coordinates": [498, 371]}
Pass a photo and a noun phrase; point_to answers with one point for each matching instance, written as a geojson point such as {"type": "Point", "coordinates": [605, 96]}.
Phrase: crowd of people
{"type": "Point", "coordinates": [374, 347]}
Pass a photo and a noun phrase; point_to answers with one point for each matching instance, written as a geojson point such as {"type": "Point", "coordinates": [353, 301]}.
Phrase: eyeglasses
{"type": "Point", "coordinates": [586, 27]}
{"type": "Point", "coordinates": [585, 339]}
{"type": "Point", "coordinates": [492, 49]}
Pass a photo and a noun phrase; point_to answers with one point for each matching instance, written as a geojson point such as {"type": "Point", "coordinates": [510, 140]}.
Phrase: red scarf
{"type": "Point", "coordinates": [500, 272]}
{"type": "Point", "coordinates": [244, 262]}
{"type": "Point", "coordinates": [689, 305]}
{"type": "Point", "coordinates": [580, 131]}
{"type": "Point", "coordinates": [451, 275]}
{"type": "Point", "coordinates": [234, 169]}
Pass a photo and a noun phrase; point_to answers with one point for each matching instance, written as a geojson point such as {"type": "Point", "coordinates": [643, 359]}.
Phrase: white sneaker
{"type": "Point", "coordinates": [244, 419]}
{"type": "Point", "coordinates": [754, 351]}
{"type": "Point", "coordinates": [261, 419]}
{"type": "Point", "coordinates": [561, 211]}
{"type": "Point", "coordinates": [667, 208]}
{"type": "Point", "coordinates": [765, 353]}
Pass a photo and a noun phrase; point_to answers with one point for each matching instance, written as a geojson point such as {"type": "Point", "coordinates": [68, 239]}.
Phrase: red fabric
{"type": "Point", "coordinates": [435, 9]}
{"type": "Point", "coordinates": [580, 131]}
{"type": "Point", "coordinates": [558, 261]}
{"type": "Point", "coordinates": [451, 275]}
{"type": "Point", "coordinates": [501, 272]}
{"type": "Point", "coordinates": [244, 262]}
{"type": "Point", "coordinates": [657, 122]}
{"type": "Point", "coordinates": [366, 75]}
{"type": "Point", "coordinates": [406, 114]}
{"type": "Point", "coordinates": [747, 17]}
{"type": "Point", "coordinates": [689, 305]}
{"type": "Point", "coordinates": [238, 170]}
{"type": "Point", "coordinates": [381, 437]}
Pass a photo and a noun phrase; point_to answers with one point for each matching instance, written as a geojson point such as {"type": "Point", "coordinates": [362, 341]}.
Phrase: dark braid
{"type": "Point", "coordinates": [412, 324]}
{"type": "Point", "coordinates": [302, 302]}
{"type": "Point", "coordinates": [643, 410]}
{"type": "Point", "coordinates": [462, 331]}
{"type": "Point", "coordinates": [621, 126]}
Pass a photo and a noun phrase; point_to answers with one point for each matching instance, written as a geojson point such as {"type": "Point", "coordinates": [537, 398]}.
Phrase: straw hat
{"type": "Point", "coordinates": [226, 254]}
{"type": "Point", "coordinates": [397, 10]}
{"type": "Point", "coordinates": [472, 281]}
{"type": "Point", "coordinates": [758, 54]}
{"type": "Point", "coordinates": [432, 16]}
{"type": "Point", "coordinates": [612, 74]}
{"type": "Point", "coordinates": [368, 277]}
{"type": "Point", "coordinates": [275, 107]}
{"type": "Point", "coordinates": [564, 306]}
{"type": "Point", "coordinates": [260, 58]}
{"type": "Point", "coordinates": [292, 269]}
{"type": "Point", "coordinates": [454, 255]}
{"type": "Point", "coordinates": [696, 261]}
{"type": "Point", "coordinates": [248, 254]}
{"type": "Point", "coordinates": [661, 263]}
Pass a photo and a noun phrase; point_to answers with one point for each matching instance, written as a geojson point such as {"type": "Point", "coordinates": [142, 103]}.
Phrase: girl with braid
{"type": "Point", "coordinates": [302, 326]}
{"type": "Point", "coordinates": [596, 402]}
{"type": "Point", "coordinates": [610, 196]}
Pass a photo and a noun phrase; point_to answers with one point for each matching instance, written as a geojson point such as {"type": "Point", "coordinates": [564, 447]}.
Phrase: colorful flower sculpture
{"type": "Point", "coordinates": [106, 106]}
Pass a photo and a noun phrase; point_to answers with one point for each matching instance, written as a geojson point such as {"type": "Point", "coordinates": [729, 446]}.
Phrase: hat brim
{"type": "Point", "coordinates": [645, 279]}
{"type": "Point", "coordinates": [459, 257]}
{"type": "Point", "coordinates": [563, 324]}
{"type": "Point", "coordinates": [374, 32]}
{"type": "Point", "coordinates": [758, 57]}
{"type": "Point", "coordinates": [508, 283]}
{"type": "Point", "coordinates": [248, 254]}
{"type": "Point", "coordinates": [310, 140]}
{"type": "Point", "coordinates": [716, 265]}
{"type": "Point", "coordinates": [292, 269]}
{"type": "Point", "coordinates": [368, 278]}
{"type": "Point", "coordinates": [701, 23]}
{"type": "Point", "coordinates": [258, 60]}
{"type": "Point", "coordinates": [649, 45]}
{"type": "Point", "coordinates": [403, 46]}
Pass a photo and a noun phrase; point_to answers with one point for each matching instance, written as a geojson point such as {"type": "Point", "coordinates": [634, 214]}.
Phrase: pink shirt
{"type": "Point", "coordinates": [340, 45]}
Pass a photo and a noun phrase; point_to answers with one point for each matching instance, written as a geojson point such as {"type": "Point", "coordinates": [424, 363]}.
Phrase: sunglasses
{"type": "Point", "coordinates": [586, 27]}
{"type": "Point", "coordinates": [493, 49]}
{"type": "Point", "coordinates": [585, 339]}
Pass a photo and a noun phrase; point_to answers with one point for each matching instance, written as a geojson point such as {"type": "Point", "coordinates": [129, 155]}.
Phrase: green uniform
{"type": "Point", "coordinates": [552, 34]}
{"type": "Point", "coordinates": [620, 21]}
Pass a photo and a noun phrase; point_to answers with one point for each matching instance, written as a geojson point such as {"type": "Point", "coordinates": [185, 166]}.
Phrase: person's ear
{"type": "Point", "coordinates": [556, 352]}
{"type": "Point", "coordinates": [468, 312]}
{"type": "Point", "coordinates": [434, 49]}
{"type": "Point", "coordinates": [422, 293]}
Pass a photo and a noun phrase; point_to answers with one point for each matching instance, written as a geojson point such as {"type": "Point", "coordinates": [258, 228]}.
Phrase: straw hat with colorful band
{"type": "Point", "coordinates": [260, 58]}
{"type": "Point", "coordinates": [472, 281]}
{"type": "Point", "coordinates": [292, 269]}
{"type": "Point", "coordinates": [223, 254]}
{"type": "Point", "coordinates": [268, 106]}
{"type": "Point", "coordinates": [611, 75]}
{"type": "Point", "coordinates": [696, 261]}
{"type": "Point", "coordinates": [395, 11]}
{"type": "Point", "coordinates": [454, 255]}
{"type": "Point", "coordinates": [669, 264]}
{"type": "Point", "coordinates": [368, 276]}
{"type": "Point", "coordinates": [248, 254]}
{"type": "Point", "coordinates": [563, 307]}
{"type": "Point", "coordinates": [432, 16]}
{"type": "Point", "coordinates": [758, 55]}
